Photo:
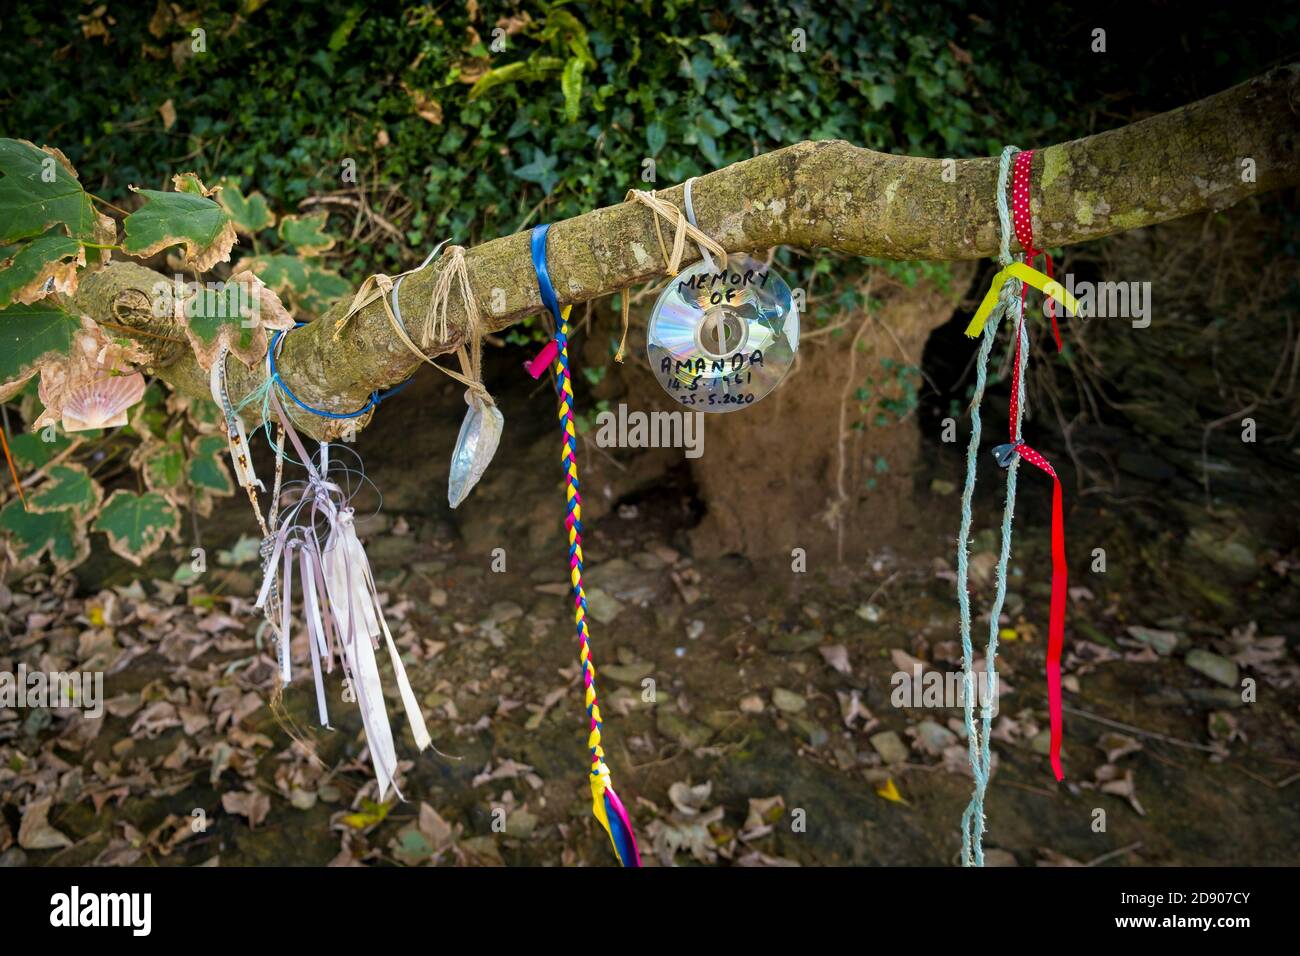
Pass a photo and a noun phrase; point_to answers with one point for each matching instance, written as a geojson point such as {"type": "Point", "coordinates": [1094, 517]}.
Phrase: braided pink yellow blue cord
{"type": "Point", "coordinates": [605, 803]}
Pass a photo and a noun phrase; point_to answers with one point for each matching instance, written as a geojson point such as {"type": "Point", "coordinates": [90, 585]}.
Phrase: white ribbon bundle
{"type": "Point", "coordinates": [341, 605]}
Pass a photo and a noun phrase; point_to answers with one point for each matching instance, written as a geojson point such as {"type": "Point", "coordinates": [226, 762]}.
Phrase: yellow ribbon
{"type": "Point", "coordinates": [1018, 270]}
{"type": "Point", "coordinates": [599, 781]}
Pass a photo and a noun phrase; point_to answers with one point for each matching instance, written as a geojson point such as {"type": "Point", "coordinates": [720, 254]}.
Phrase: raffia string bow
{"type": "Point", "coordinates": [682, 228]}
{"type": "Point", "coordinates": [480, 432]}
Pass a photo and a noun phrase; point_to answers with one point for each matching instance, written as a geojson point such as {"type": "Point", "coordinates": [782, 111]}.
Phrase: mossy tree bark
{"type": "Point", "coordinates": [830, 195]}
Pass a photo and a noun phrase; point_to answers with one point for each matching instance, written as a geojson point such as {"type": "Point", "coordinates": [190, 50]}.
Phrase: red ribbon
{"type": "Point", "coordinates": [1056, 625]}
{"type": "Point", "coordinates": [1024, 225]}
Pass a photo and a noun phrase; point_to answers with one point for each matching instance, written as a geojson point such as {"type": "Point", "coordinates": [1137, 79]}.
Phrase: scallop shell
{"type": "Point", "coordinates": [102, 403]}
{"type": "Point", "coordinates": [480, 433]}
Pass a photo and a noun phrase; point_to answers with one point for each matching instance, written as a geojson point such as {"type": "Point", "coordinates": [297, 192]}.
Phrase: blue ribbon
{"type": "Point", "coordinates": [538, 244]}
{"type": "Point", "coordinates": [274, 374]}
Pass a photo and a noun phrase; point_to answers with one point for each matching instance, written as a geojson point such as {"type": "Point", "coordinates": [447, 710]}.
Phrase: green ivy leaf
{"type": "Point", "coordinates": [281, 273]}
{"type": "Point", "coordinates": [162, 464]}
{"type": "Point", "coordinates": [710, 149]}
{"type": "Point", "coordinates": [31, 335]}
{"type": "Point", "coordinates": [25, 277]}
{"type": "Point", "coordinates": [32, 452]}
{"type": "Point", "coordinates": [306, 234]}
{"type": "Point", "coordinates": [250, 214]}
{"type": "Point", "coordinates": [324, 288]}
{"type": "Point", "coordinates": [68, 488]}
{"type": "Point", "coordinates": [541, 171]}
{"type": "Point", "coordinates": [204, 413]}
{"type": "Point", "coordinates": [656, 137]}
{"type": "Point", "coordinates": [176, 218]}
{"type": "Point", "coordinates": [137, 524]}
{"type": "Point", "coordinates": [29, 534]}
{"type": "Point", "coordinates": [880, 95]}
{"type": "Point", "coordinates": [206, 471]}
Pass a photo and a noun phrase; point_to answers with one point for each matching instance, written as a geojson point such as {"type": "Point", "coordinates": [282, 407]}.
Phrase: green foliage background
{"type": "Point", "coordinates": [280, 98]}
{"type": "Point", "coordinates": [286, 91]}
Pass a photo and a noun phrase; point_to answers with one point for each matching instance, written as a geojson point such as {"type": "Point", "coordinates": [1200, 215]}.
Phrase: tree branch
{"type": "Point", "coordinates": [831, 194]}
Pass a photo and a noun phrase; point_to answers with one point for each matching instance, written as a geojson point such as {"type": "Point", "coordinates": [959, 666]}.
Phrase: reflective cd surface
{"type": "Point", "coordinates": [721, 338]}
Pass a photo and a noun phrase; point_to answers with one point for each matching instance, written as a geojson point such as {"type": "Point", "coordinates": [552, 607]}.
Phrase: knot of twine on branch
{"type": "Point", "coordinates": [683, 228]}
{"type": "Point", "coordinates": [453, 270]}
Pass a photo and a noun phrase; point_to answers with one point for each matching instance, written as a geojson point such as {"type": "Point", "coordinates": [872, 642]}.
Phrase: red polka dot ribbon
{"type": "Point", "coordinates": [1021, 218]}
{"type": "Point", "coordinates": [1056, 621]}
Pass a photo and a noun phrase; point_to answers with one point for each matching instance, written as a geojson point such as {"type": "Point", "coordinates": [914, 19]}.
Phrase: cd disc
{"type": "Point", "coordinates": [721, 337]}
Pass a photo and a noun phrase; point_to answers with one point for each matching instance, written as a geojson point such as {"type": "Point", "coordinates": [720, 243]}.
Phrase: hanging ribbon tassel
{"type": "Point", "coordinates": [340, 603]}
{"type": "Point", "coordinates": [605, 804]}
{"type": "Point", "coordinates": [1005, 298]}
{"type": "Point", "coordinates": [1021, 217]}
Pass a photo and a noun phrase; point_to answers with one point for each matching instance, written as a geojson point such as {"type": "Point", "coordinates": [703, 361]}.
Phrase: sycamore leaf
{"type": "Point", "coordinates": [206, 472]}
{"type": "Point", "coordinates": [235, 313]}
{"type": "Point", "coordinates": [306, 234]}
{"type": "Point", "coordinates": [39, 189]}
{"type": "Point", "coordinates": [137, 524]}
{"type": "Point", "coordinates": [32, 336]}
{"type": "Point", "coordinates": [69, 488]}
{"type": "Point", "coordinates": [190, 183]}
{"type": "Point", "coordinates": [29, 534]}
{"type": "Point", "coordinates": [250, 213]}
{"type": "Point", "coordinates": [189, 217]}
{"type": "Point", "coordinates": [26, 277]}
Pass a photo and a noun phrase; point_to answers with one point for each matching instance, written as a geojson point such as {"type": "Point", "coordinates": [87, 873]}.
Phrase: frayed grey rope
{"type": "Point", "coordinates": [978, 741]}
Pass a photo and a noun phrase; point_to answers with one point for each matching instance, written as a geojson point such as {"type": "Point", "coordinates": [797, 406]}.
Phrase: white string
{"type": "Point", "coordinates": [690, 217]}
{"type": "Point", "coordinates": [397, 308]}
